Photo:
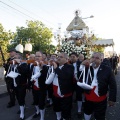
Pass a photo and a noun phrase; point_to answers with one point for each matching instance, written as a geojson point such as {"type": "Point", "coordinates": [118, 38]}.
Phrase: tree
{"type": "Point", "coordinates": [37, 34]}
{"type": "Point", "coordinates": [97, 48]}
{"type": "Point", "coordinates": [4, 41]}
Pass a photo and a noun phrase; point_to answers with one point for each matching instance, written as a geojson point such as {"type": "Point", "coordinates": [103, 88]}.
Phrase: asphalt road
{"type": "Point", "coordinates": [113, 113]}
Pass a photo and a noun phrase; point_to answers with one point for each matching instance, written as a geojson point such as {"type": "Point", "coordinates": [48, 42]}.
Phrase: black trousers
{"type": "Point", "coordinates": [35, 96]}
{"type": "Point", "coordinates": [63, 105]}
{"type": "Point", "coordinates": [79, 92]}
{"type": "Point", "coordinates": [20, 94]}
{"type": "Point", "coordinates": [50, 90]}
{"type": "Point", "coordinates": [39, 97]}
{"type": "Point", "coordinates": [98, 108]}
{"type": "Point", "coordinates": [42, 97]}
{"type": "Point", "coordinates": [11, 95]}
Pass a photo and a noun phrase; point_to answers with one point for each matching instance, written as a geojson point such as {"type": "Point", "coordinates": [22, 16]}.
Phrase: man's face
{"type": "Point", "coordinates": [12, 54]}
{"type": "Point", "coordinates": [61, 59]}
{"type": "Point", "coordinates": [81, 57]}
{"type": "Point", "coordinates": [16, 57]}
{"type": "Point", "coordinates": [53, 57]}
{"type": "Point", "coordinates": [38, 56]}
{"type": "Point", "coordinates": [44, 56]}
{"type": "Point", "coordinates": [48, 56]}
{"type": "Point", "coordinates": [96, 58]}
{"type": "Point", "coordinates": [32, 57]}
{"type": "Point", "coordinates": [73, 58]}
{"type": "Point", "coordinates": [27, 55]}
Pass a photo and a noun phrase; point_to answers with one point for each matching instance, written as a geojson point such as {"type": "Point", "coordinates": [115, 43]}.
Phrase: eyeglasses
{"type": "Point", "coordinates": [95, 57]}
{"type": "Point", "coordinates": [60, 57]}
{"type": "Point", "coordinates": [38, 56]}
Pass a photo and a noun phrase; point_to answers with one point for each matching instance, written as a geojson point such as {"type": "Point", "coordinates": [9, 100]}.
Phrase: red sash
{"type": "Point", "coordinates": [93, 97]}
{"type": "Point", "coordinates": [55, 88]}
{"type": "Point", "coordinates": [35, 87]}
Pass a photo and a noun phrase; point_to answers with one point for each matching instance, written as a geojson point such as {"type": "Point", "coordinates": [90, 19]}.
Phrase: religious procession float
{"type": "Point", "coordinates": [81, 40]}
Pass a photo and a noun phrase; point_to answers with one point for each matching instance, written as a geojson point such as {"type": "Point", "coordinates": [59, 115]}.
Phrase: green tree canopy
{"type": "Point", "coordinates": [37, 34]}
{"type": "Point", "coordinates": [4, 41]}
{"type": "Point", "coordinates": [97, 48]}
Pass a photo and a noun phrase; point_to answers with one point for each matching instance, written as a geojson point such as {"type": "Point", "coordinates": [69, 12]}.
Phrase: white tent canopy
{"type": "Point", "coordinates": [104, 42]}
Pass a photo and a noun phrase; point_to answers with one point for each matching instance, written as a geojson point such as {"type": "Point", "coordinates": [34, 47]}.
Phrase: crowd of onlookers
{"type": "Point", "coordinates": [113, 62]}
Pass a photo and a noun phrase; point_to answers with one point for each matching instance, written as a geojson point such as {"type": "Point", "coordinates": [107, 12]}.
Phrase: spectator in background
{"type": "Point", "coordinates": [113, 61]}
{"type": "Point", "coordinates": [105, 60]}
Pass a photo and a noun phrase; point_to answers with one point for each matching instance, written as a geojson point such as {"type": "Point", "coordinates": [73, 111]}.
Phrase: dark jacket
{"type": "Point", "coordinates": [21, 80]}
{"type": "Point", "coordinates": [113, 61]}
{"type": "Point", "coordinates": [106, 81]}
{"type": "Point", "coordinates": [78, 66]}
{"type": "Point", "coordinates": [42, 78]}
{"type": "Point", "coordinates": [29, 75]}
{"type": "Point", "coordinates": [106, 61]}
{"type": "Point", "coordinates": [6, 66]}
{"type": "Point", "coordinates": [65, 78]}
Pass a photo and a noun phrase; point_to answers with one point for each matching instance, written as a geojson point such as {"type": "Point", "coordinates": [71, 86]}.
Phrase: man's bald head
{"type": "Point", "coordinates": [32, 57]}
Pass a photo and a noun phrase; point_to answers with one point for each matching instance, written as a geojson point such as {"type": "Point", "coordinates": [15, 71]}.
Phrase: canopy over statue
{"type": "Point", "coordinates": [77, 23]}
{"type": "Point", "coordinates": [81, 40]}
{"type": "Point", "coordinates": [103, 43]}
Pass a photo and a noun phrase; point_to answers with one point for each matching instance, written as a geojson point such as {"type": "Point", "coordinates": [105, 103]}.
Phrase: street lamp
{"type": "Point", "coordinates": [88, 17]}
{"type": "Point", "coordinates": [57, 36]}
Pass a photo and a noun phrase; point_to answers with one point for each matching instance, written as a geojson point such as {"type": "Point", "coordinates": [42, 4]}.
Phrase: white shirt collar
{"type": "Point", "coordinates": [61, 66]}
{"type": "Point", "coordinates": [96, 68]}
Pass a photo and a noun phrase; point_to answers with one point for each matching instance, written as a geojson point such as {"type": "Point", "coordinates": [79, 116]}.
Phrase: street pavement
{"type": "Point", "coordinates": [113, 113]}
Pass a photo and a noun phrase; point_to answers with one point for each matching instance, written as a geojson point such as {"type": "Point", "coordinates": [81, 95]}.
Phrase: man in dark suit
{"type": "Point", "coordinates": [105, 60]}
{"type": "Point", "coordinates": [19, 83]}
{"type": "Point", "coordinates": [113, 61]}
{"type": "Point", "coordinates": [76, 61]}
{"type": "Point", "coordinates": [37, 80]}
{"type": "Point", "coordinates": [12, 53]}
{"type": "Point", "coordinates": [49, 87]}
{"type": "Point", "coordinates": [30, 70]}
{"type": "Point", "coordinates": [62, 87]}
{"type": "Point", "coordinates": [101, 80]}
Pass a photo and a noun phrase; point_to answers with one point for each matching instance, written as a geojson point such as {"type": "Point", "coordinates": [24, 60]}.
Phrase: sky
{"type": "Point", "coordinates": [105, 24]}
